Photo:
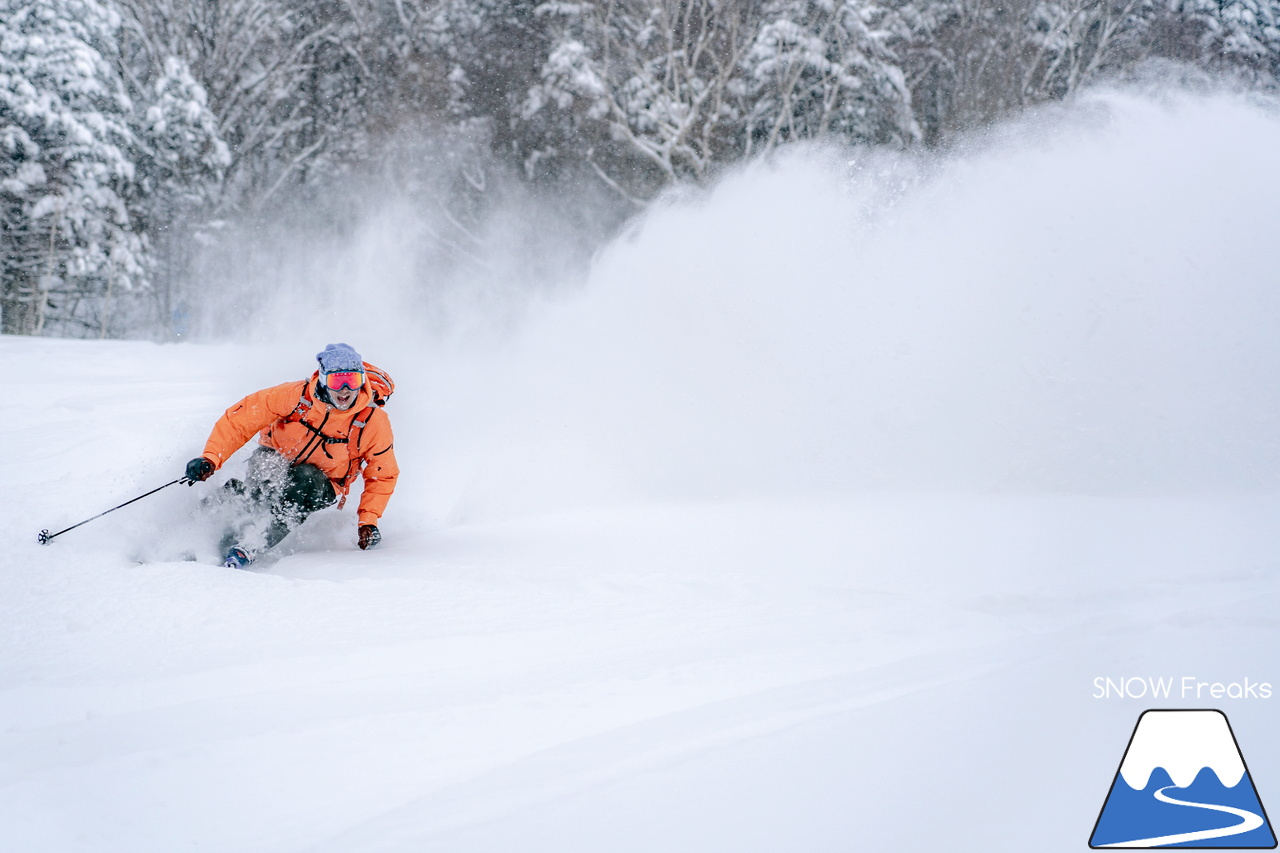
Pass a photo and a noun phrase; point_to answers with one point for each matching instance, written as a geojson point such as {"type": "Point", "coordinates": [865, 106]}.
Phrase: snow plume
{"type": "Point", "coordinates": [430, 230]}
{"type": "Point", "coordinates": [1084, 301]}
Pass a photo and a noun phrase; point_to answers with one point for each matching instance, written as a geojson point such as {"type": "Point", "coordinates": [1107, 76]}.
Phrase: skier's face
{"type": "Point", "coordinates": [343, 387]}
{"type": "Point", "coordinates": [343, 399]}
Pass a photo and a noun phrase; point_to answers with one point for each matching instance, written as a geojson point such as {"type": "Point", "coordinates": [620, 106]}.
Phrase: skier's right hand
{"type": "Point", "coordinates": [199, 469]}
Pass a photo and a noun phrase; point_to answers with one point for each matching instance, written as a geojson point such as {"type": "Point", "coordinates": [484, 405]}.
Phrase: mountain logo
{"type": "Point", "coordinates": [1183, 783]}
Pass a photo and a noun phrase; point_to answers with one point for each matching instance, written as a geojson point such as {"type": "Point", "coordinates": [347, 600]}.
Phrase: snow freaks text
{"type": "Point", "coordinates": [1184, 687]}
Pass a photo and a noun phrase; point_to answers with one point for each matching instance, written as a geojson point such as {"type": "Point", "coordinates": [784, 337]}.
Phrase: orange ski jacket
{"type": "Point", "coordinates": [291, 419]}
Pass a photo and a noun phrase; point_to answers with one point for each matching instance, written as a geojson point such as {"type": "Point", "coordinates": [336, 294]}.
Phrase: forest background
{"type": "Point", "coordinates": [164, 164]}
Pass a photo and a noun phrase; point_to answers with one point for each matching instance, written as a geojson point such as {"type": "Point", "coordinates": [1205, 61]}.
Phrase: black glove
{"type": "Point", "coordinates": [369, 536]}
{"type": "Point", "coordinates": [199, 469]}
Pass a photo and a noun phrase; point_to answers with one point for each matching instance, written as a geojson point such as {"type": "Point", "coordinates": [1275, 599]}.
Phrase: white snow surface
{"type": "Point", "coordinates": [805, 523]}
{"type": "Point", "coordinates": [1183, 743]}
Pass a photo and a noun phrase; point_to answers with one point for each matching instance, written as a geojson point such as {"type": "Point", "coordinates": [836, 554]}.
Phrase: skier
{"type": "Point", "coordinates": [315, 437]}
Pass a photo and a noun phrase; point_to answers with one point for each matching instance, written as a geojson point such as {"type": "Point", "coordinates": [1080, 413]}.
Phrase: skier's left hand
{"type": "Point", "coordinates": [369, 536]}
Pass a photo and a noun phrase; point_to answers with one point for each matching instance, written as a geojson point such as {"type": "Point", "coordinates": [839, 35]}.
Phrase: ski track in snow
{"type": "Point", "coordinates": [602, 622]}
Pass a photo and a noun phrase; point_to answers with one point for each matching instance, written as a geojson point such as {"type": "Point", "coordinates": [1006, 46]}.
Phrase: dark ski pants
{"type": "Point", "coordinates": [284, 493]}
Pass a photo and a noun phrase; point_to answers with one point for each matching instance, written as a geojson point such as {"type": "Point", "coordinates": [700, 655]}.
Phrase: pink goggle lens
{"type": "Point", "coordinates": [352, 379]}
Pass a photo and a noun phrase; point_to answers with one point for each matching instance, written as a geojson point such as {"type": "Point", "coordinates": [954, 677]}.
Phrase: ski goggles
{"type": "Point", "coordinates": [352, 379]}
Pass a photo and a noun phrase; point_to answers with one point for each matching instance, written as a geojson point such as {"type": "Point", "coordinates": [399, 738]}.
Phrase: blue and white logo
{"type": "Point", "coordinates": [1183, 783]}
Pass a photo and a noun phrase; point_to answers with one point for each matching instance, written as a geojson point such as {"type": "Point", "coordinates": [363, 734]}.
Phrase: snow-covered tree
{"type": "Point", "coordinates": [180, 174]}
{"type": "Point", "coordinates": [652, 88]}
{"type": "Point", "coordinates": [1079, 41]}
{"type": "Point", "coordinates": [258, 63]}
{"type": "Point", "coordinates": [1073, 42]}
{"type": "Point", "coordinates": [67, 153]}
{"type": "Point", "coordinates": [186, 157]}
{"type": "Point", "coordinates": [661, 90]}
{"type": "Point", "coordinates": [1250, 37]}
{"type": "Point", "coordinates": [135, 132]}
{"type": "Point", "coordinates": [972, 61]}
{"type": "Point", "coordinates": [1237, 37]}
{"type": "Point", "coordinates": [965, 61]}
{"type": "Point", "coordinates": [828, 67]}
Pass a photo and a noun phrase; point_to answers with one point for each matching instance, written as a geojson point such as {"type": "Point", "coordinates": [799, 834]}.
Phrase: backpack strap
{"type": "Point", "coordinates": [353, 441]}
{"type": "Point", "coordinates": [300, 411]}
{"type": "Point", "coordinates": [381, 387]}
{"type": "Point", "coordinates": [316, 441]}
{"type": "Point", "coordinates": [319, 439]}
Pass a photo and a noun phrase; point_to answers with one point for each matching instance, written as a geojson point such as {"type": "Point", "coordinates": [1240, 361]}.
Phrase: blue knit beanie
{"type": "Point", "coordinates": [339, 357]}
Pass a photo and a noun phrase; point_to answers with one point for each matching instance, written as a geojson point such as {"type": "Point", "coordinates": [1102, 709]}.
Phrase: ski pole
{"type": "Point", "coordinates": [45, 535]}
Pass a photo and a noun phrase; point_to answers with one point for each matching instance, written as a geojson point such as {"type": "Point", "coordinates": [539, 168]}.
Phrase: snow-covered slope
{"type": "Point", "coordinates": [807, 524]}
